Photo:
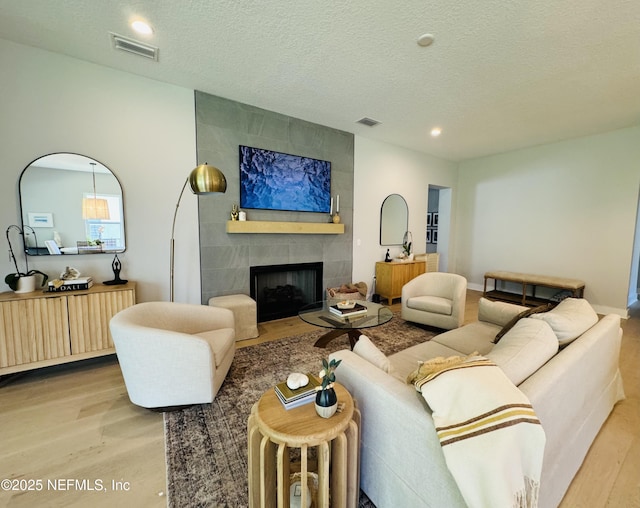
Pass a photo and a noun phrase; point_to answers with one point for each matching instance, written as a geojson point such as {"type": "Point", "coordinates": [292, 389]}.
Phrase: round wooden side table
{"type": "Point", "coordinates": [272, 430]}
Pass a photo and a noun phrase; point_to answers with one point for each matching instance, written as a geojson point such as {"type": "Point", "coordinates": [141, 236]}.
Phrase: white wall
{"type": "Point", "coordinates": [565, 209]}
{"type": "Point", "coordinates": [381, 169]}
{"type": "Point", "coordinates": [445, 209]}
{"type": "Point", "coordinates": [634, 278]}
{"type": "Point", "coordinates": [143, 130]}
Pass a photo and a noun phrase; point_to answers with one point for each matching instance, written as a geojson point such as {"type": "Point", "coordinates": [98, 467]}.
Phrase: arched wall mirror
{"type": "Point", "coordinates": [394, 220]}
{"type": "Point", "coordinates": [73, 204]}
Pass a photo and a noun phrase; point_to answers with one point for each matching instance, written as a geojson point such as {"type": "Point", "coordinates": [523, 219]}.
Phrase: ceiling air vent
{"type": "Point", "coordinates": [135, 47]}
{"type": "Point", "coordinates": [369, 122]}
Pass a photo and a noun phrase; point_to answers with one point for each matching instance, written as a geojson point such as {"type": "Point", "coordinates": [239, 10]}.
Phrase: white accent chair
{"type": "Point", "coordinates": [173, 354]}
{"type": "Point", "coordinates": [435, 299]}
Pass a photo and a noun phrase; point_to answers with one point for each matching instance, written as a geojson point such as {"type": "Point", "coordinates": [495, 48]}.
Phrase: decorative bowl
{"type": "Point", "coordinates": [346, 304]}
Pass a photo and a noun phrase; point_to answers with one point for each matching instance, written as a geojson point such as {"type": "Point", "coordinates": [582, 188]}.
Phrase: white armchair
{"type": "Point", "coordinates": [173, 354]}
{"type": "Point", "coordinates": [436, 299]}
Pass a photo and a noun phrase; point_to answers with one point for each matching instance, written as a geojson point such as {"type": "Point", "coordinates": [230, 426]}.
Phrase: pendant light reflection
{"type": "Point", "coordinates": [94, 208]}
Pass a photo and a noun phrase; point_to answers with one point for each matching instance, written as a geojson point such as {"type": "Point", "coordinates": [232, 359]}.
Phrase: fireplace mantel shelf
{"type": "Point", "coordinates": [309, 228]}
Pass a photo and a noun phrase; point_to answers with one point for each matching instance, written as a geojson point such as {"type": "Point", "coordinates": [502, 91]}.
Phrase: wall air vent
{"type": "Point", "coordinates": [369, 122]}
{"type": "Point", "coordinates": [135, 47]}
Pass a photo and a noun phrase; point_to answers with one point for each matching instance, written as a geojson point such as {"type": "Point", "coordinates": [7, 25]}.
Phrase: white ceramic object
{"type": "Point", "coordinates": [26, 284]}
{"type": "Point", "coordinates": [297, 380]}
{"type": "Point", "coordinates": [346, 304]}
{"type": "Point", "coordinates": [326, 412]}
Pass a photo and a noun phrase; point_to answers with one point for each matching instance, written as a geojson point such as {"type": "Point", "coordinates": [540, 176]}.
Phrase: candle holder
{"type": "Point", "coordinates": [335, 217]}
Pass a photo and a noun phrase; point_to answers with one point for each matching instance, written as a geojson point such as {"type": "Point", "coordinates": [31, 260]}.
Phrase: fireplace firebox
{"type": "Point", "coordinates": [281, 290]}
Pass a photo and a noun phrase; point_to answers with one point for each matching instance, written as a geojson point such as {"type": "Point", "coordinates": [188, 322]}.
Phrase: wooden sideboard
{"type": "Point", "coordinates": [390, 277]}
{"type": "Point", "coordinates": [40, 329]}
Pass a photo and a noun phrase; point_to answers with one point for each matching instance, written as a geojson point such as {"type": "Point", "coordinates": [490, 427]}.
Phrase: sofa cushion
{"type": "Point", "coordinates": [570, 319]}
{"type": "Point", "coordinates": [524, 349]}
{"type": "Point", "coordinates": [435, 304]}
{"type": "Point", "coordinates": [525, 313]}
{"type": "Point", "coordinates": [497, 313]}
{"type": "Point", "coordinates": [221, 341]}
{"type": "Point", "coordinates": [407, 360]}
{"type": "Point", "coordinates": [477, 336]}
{"type": "Point", "coordinates": [368, 350]}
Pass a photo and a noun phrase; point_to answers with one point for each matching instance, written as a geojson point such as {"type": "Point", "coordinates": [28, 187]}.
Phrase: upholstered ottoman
{"type": "Point", "coordinates": [244, 313]}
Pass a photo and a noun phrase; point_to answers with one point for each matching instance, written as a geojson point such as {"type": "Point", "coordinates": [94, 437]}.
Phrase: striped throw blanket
{"type": "Point", "coordinates": [492, 441]}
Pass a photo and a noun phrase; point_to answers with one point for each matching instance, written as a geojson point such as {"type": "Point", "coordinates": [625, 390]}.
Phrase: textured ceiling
{"type": "Point", "coordinates": [501, 74]}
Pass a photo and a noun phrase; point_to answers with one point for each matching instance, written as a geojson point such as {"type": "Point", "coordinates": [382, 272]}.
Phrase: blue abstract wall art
{"type": "Point", "coordinates": [280, 181]}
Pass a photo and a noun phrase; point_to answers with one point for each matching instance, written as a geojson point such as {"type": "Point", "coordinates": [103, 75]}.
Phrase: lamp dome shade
{"type": "Point", "coordinates": [206, 179]}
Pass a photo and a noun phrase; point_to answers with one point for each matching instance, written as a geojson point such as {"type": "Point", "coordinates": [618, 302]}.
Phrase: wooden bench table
{"type": "Point", "coordinates": [575, 286]}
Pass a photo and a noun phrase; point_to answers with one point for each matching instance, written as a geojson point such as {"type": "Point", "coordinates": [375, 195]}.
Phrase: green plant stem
{"type": "Point", "coordinates": [11, 254]}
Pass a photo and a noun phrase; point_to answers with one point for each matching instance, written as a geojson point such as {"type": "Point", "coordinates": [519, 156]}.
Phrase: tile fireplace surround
{"type": "Point", "coordinates": [222, 125]}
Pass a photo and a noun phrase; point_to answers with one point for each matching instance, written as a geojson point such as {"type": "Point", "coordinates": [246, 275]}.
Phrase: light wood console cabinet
{"type": "Point", "coordinates": [390, 277]}
{"type": "Point", "coordinates": [40, 329]}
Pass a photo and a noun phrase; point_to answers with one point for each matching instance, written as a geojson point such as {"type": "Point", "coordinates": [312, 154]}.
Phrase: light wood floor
{"type": "Point", "coordinates": [73, 428]}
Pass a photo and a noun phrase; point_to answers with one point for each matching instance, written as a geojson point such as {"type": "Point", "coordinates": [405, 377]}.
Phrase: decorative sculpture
{"type": "Point", "coordinates": [116, 266]}
{"type": "Point", "coordinates": [235, 211]}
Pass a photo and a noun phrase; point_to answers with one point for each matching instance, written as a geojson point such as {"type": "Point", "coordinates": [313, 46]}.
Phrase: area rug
{"type": "Point", "coordinates": [206, 445]}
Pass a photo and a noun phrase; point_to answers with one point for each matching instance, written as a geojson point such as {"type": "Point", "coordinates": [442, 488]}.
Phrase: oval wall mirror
{"type": "Point", "coordinates": [394, 220]}
{"type": "Point", "coordinates": [71, 204]}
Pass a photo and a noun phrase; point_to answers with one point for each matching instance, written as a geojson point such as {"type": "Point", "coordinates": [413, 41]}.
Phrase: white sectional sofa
{"type": "Point", "coordinates": [572, 385]}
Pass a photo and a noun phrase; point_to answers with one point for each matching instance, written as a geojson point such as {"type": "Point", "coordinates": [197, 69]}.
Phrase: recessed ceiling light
{"type": "Point", "coordinates": [425, 40]}
{"type": "Point", "coordinates": [142, 27]}
{"type": "Point", "coordinates": [435, 132]}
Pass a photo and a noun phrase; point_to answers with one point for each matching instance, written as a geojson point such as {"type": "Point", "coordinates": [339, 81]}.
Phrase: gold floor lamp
{"type": "Point", "coordinates": [204, 179]}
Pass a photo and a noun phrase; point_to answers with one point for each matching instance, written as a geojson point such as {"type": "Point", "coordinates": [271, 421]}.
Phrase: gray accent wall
{"type": "Point", "coordinates": [221, 126]}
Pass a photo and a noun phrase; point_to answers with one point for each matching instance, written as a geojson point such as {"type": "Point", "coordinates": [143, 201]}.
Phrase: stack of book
{"type": "Point", "coordinates": [357, 310]}
{"type": "Point", "coordinates": [58, 286]}
{"type": "Point", "coordinates": [298, 397]}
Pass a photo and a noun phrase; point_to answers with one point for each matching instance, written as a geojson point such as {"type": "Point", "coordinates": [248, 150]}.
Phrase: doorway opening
{"type": "Point", "coordinates": [439, 223]}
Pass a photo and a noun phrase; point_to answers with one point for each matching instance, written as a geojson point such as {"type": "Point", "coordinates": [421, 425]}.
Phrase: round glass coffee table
{"type": "Point", "coordinates": [325, 315]}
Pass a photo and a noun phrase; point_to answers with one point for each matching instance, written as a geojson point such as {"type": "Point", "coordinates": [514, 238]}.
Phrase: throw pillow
{"type": "Point", "coordinates": [524, 349]}
{"type": "Point", "coordinates": [368, 350]}
{"type": "Point", "coordinates": [526, 313]}
{"type": "Point", "coordinates": [570, 319]}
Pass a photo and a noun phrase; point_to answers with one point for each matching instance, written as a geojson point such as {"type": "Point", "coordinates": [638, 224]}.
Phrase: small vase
{"type": "Point", "coordinates": [326, 402]}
